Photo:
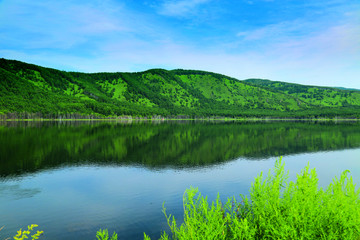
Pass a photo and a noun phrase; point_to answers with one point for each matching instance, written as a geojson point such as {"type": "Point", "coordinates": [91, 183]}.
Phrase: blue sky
{"type": "Point", "coordinates": [315, 42]}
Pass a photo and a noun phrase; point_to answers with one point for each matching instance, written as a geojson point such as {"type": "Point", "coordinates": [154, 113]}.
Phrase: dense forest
{"type": "Point", "coordinates": [29, 91]}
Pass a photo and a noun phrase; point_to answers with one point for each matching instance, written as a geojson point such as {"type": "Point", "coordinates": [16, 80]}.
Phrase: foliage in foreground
{"type": "Point", "coordinates": [276, 209]}
{"type": "Point", "coordinates": [104, 235]}
{"type": "Point", "coordinates": [25, 234]}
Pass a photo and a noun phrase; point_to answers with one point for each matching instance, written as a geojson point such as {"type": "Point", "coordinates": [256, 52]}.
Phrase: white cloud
{"type": "Point", "coordinates": [180, 8]}
{"type": "Point", "coordinates": [278, 31]}
{"type": "Point", "coordinates": [57, 24]}
{"type": "Point", "coordinates": [338, 44]}
{"type": "Point", "coordinates": [326, 52]}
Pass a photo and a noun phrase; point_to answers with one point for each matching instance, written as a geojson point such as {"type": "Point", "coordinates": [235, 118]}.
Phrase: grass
{"type": "Point", "coordinates": [276, 209]}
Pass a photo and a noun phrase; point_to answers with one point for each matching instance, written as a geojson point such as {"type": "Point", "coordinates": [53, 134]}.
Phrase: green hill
{"type": "Point", "coordinates": [350, 89]}
{"type": "Point", "coordinates": [28, 90]}
{"type": "Point", "coordinates": [312, 95]}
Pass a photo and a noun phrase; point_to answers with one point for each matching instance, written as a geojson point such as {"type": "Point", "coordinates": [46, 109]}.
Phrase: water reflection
{"type": "Point", "coordinates": [16, 192]}
{"type": "Point", "coordinates": [31, 146]}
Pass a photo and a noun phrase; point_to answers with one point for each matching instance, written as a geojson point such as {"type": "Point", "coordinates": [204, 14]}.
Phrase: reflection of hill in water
{"type": "Point", "coordinates": [48, 145]}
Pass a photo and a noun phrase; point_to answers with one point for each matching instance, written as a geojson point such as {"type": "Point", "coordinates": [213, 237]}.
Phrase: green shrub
{"type": "Point", "coordinates": [104, 235]}
{"type": "Point", "coordinates": [277, 209]}
{"type": "Point", "coordinates": [21, 235]}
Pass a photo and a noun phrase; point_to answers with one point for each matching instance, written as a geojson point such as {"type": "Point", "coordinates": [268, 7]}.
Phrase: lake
{"type": "Point", "coordinates": [73, 178]}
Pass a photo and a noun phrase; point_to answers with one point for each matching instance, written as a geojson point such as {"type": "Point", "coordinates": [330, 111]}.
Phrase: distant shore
{"type": "Point", "coordinates": [251, 119]}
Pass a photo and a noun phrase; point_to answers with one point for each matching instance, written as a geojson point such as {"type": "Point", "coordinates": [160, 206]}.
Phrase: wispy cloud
{"type": "Point", "coordinates": [335, 42]}
{"type": "Point", "coordinates": [276, 31]}
{"type": "Point", "coordinates": [181, 8]}
{"type": "Point", "coordinates": [49, 24]}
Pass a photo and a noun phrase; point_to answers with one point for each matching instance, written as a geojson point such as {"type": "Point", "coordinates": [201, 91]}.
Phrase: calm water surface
{"type": "Point", "coordinates": [74, 178]}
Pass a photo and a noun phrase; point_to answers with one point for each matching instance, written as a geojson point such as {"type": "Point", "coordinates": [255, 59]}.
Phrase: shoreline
{"type": "Point", "coordinates": [182, 119]}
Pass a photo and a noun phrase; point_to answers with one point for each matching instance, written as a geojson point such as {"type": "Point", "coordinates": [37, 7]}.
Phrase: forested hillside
{"type": "Point", "coordinates": [28, 90]}
{"type": "Point", "coordinates": [312, 95]}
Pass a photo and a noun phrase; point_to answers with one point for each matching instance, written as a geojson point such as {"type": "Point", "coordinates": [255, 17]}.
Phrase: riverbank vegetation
{"type": "Point", "coordinates": [29, 91]}
{"type": "Point", "coordinates": [27, 234]}
{"type": "Point", "coordinates": [275, 209]}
